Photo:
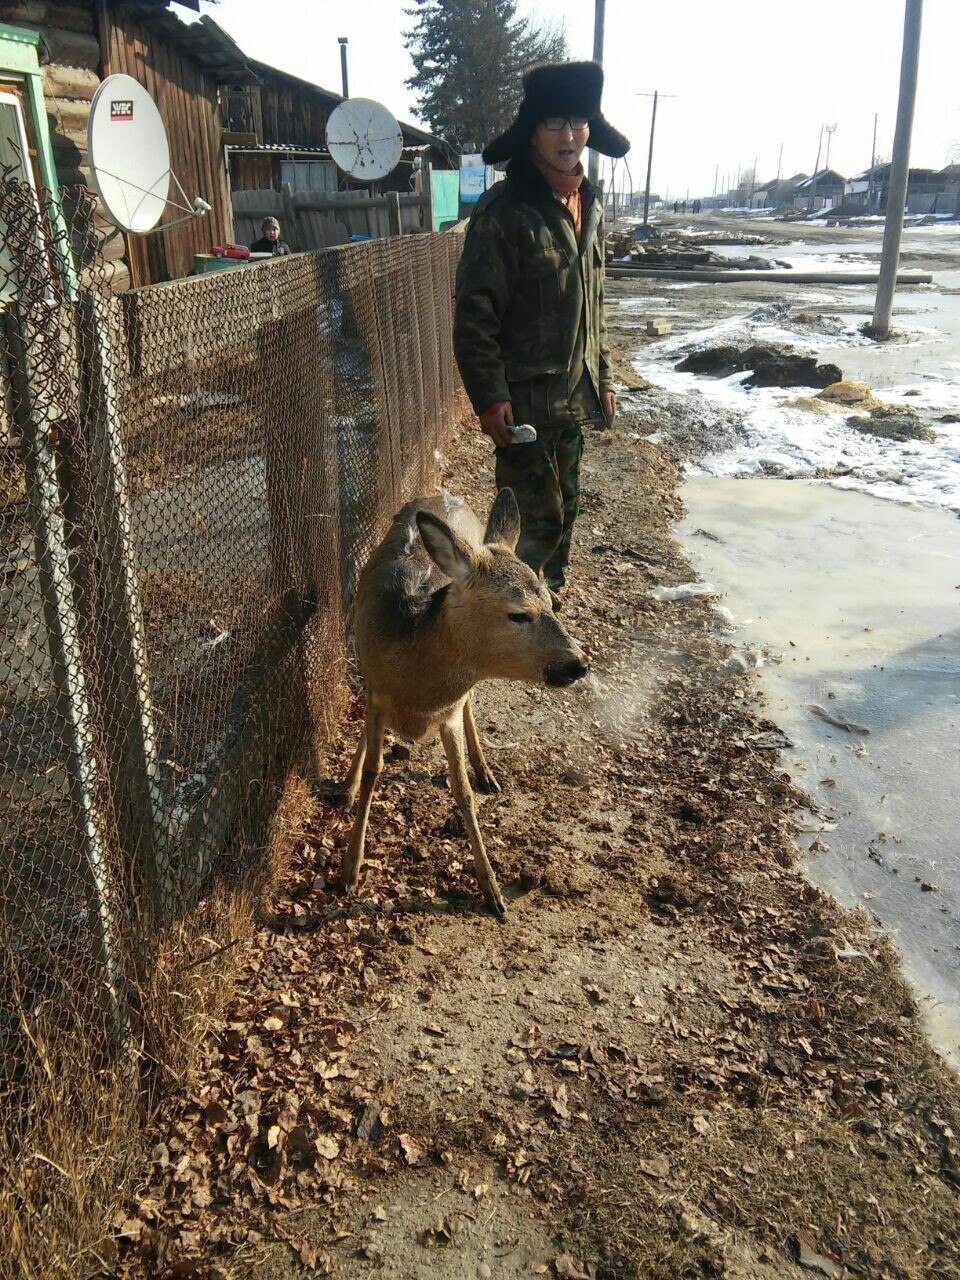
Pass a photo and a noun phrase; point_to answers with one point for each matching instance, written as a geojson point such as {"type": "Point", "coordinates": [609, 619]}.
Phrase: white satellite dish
{"type": "Point", "coordinates": [364, 139]}
{"type": "Point", "coordinates": [130, 157]}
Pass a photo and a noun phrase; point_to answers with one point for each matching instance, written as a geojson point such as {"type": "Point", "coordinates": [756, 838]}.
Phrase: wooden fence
{"type": "Point", "coordinates": [324, 219]}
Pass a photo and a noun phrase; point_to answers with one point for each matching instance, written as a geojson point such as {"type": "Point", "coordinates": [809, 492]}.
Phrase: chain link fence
{"type": "Point", "coordinates": [190, 475]}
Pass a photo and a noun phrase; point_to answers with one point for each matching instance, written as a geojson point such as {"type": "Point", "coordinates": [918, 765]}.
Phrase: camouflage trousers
{"type": "Point", "coordinates": [545, 476]}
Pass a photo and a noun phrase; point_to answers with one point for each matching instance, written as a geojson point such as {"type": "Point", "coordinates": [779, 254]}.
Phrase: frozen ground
{"type": "Point", "coordinates": [853, 606]}
{"type": "Point", "coordinates": [860, 597]}
{"type": "Point", "coordinates": [779, 439]}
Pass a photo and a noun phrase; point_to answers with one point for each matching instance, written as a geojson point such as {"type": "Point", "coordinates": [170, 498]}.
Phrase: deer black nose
{"type": "Point", "coordinates": [565, 673]}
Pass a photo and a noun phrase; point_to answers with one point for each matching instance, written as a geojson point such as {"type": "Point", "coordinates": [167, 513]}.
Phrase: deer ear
{"type": "Point", "coordinates": [448, 553]}
{"type": "Point", "coordinates": [503, 523]}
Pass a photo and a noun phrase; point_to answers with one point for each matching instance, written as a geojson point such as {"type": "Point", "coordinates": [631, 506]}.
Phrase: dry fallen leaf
{"type": "Point", "coordinates": [328, 1147]}
{"type": "Point", "coordinates": [411, 1152]}
{"type": "Point", "coordinates": [569, 1268]}
{"type": "Point", "coordinates": [656, 1167]}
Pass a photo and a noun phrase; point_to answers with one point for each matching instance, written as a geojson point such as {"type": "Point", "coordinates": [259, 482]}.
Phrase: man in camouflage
{"type": "Point", "coordinates": [529, 331]}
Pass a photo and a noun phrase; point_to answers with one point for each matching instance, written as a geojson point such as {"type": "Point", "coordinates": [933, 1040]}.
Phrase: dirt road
{"type": "Point", "coordinates": [675, 1059]}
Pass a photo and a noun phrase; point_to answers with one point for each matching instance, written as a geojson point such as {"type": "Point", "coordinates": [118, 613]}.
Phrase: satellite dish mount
{"type": "Point", "coordinates": [130, 159]}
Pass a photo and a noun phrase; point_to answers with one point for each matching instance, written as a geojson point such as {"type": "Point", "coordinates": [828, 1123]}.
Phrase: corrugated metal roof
{"type": "Point", "coordinates": [299, 148]}
{"type": "Point", "coordinates": [204, 41]}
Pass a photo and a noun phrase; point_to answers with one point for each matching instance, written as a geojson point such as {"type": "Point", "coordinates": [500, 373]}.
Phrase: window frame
{"type": "Point", "coordinates": [19, 60]}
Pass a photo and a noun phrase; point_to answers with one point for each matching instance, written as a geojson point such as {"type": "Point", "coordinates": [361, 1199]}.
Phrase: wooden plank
{"type": "Point", "coordinates": [258, 203]}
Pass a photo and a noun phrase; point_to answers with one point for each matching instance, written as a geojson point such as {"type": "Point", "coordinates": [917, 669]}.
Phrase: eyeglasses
{"type": "Point", "coordinates": [556, 123]}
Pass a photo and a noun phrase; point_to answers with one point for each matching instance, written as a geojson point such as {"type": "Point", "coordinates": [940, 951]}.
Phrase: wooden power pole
{"type": "Point", "coordinates": [593, 168]}
{"type": "Point", "coordinates": [899, 170]}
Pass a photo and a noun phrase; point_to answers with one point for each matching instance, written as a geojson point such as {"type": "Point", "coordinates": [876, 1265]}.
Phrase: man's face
{"type": "Point", "coordinates": [272, 233]}
{"type": "Point", "coordinates": [561, 142]}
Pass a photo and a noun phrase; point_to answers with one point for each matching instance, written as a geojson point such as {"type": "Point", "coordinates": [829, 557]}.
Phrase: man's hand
{"type": "Point", "coordinates": [609, 399]}
{"type": "Point", "coordinates": [495, 421]}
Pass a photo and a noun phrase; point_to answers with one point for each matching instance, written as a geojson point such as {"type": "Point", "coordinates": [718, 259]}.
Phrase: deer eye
{"type": "Point", "coordinates": [521, 619]}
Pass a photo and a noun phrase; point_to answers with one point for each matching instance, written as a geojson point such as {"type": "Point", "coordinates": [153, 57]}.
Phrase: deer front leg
{"type": "Point", "coordinates": [352, 782]}
{"type": "Point", "coordinates": [481, 770]}
{"type": "Point", "coordinates": [451, 734]}
{"type": "Point", "coordinates": [371, 764]}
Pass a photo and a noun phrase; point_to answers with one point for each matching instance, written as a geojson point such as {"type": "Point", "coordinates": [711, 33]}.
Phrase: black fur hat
{"type": "Point", "coordinates": [559, 89]}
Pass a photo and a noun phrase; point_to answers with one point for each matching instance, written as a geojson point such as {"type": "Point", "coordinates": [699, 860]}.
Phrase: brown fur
{"type": "Point", "coordinates": [442, 605]}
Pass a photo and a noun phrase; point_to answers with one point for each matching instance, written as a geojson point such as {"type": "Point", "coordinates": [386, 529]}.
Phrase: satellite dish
{"type": "Point", "coordinates": [364, 139]}
{"type": "Point", "coordinates": [130, 157]}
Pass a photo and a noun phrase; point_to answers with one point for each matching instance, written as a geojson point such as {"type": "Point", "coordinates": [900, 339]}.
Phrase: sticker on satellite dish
{"type": "Point", "coordinates": [121, 109]}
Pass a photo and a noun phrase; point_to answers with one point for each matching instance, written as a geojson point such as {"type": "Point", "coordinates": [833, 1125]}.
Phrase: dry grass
{"type": "Point", "coordinates": [70, 1157]}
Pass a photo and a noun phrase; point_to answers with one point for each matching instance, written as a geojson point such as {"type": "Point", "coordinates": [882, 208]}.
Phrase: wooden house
{"type": "Point", "coordinates": [926, 191]}
{"type": "Point", "coordinates": [275, 132]}
{"type": "Point", "coordinates": [232, 122]}
{"type": "Point", "coordinates": [821, 191]}
{"type": "Point", "coordinates": [79, 42]}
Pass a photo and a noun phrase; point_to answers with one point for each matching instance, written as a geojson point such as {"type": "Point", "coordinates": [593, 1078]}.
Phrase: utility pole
{"type": "Point", "coordinates": [716, 180]}
{"type": "Point", "coordinates": [753, 182]}
{"type": "Point", "coordinates": [656, 95]}
{"type": "Point", "coordinates": [342, 41]}
{"type": "Point", "coordinates": [646, 190]}
{"type": "Point", "coordinates": [780, 164]}
{"type": "Point", "coordinates": [873, 163]}
{"type": "Point", "coordinates": [899, 170]}
{"type": "Point", "coordinates": [831, 130]}
{"type": "Point", "coordinates": [593, 167]}
{"type": "Point", "coordinates": [816, 170]}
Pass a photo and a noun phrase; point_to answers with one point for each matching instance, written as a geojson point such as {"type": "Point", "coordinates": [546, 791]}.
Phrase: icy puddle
{"type": "Point", "coordinates": [861, 598]}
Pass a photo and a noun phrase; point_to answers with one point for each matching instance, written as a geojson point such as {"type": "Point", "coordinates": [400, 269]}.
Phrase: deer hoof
{"type": "Point", "coordinates": [337, 797]}
{"type": "Point", "coordinates": [487, 784]}
{"type": "Point", "coordinates": [497, 907]}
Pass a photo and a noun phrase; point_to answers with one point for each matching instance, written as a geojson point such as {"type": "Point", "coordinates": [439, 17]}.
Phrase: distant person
{"type": "Point", "coordinates": [676, 206]}
{"type": "Point", "coordinates": [529, 330]}
{"type": "Point", "coordinates": [270, 241]}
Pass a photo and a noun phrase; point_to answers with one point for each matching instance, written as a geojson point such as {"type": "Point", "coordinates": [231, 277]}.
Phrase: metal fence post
{"type": "Point", "coordinates": [133, 753]}
{"type": "Point", "coordinates": [36, 420]}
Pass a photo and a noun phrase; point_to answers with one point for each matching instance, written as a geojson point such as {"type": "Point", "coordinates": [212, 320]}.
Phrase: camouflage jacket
{"type": "Point", "coordinates": [529, 304]}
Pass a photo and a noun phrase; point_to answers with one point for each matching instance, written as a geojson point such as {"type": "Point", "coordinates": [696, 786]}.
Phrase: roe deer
{"type": "Point", "coordinates": [440, 606]}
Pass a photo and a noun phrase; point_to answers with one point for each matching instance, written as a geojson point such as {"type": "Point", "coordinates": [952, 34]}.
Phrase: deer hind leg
{"type": "Point", "coordinates": [451, 734]}
{"type": "Point", "coordinates": [485, 780]}
{"type": "Point", "coordinates": [370, 767]}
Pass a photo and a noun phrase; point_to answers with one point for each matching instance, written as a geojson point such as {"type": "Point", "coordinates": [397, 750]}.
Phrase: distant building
{"type": "Point", "coordinates": [951, 188]}
{"type": "Point", "coordinates": [927, 190]}
{"type": "Point", "coordinates": [777, 192]}
{"type": "Point", "coordinates": [823, 190]}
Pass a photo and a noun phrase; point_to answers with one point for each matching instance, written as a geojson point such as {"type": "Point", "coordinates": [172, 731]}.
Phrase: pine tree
{"type": "Point", "coordinates": [468, 56]}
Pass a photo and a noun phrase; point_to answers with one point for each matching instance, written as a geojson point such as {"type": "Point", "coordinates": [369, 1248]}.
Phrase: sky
{"type": "Point", "coordinates": [748, 75]}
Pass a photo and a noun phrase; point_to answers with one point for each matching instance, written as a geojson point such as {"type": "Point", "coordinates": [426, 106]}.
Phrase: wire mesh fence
{"type": "Point", "coordinates": [190, 475]}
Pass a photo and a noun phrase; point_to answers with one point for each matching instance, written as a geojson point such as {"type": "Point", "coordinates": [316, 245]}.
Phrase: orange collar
{"type": "Point", "coordinates": [561, 182]}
